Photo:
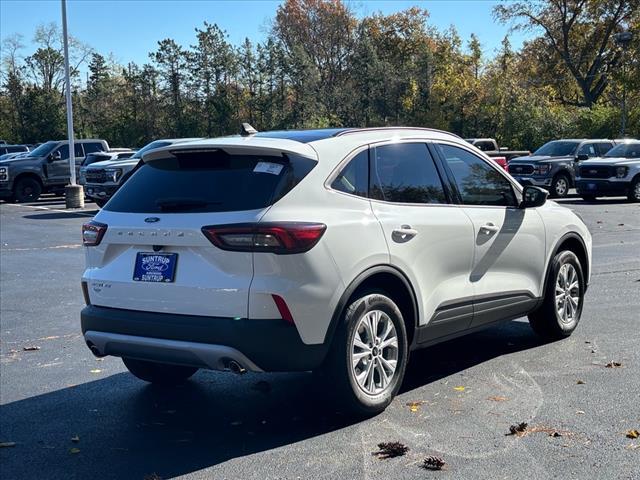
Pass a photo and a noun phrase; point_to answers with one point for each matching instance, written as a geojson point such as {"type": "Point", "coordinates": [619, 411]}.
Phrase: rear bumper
{"type": "Point", "coordinates": [204, 342]}
{"type": "Point", "coordinates": [602, 187]}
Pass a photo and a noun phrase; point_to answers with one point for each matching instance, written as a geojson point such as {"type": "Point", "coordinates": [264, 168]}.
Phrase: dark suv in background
{"type": "Point", "coordinates": [553, 166]}
{"type": "Point", "coordinates": [45, 169]}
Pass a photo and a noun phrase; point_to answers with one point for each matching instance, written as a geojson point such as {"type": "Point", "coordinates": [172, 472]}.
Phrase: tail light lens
{"type": "Point", "coordinates": [92, 233]}
{"type": "Point", "coordinates": [280, 238]}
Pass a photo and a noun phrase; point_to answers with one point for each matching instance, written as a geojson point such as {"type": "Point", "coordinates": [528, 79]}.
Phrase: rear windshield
{"type": "Point", "coordinates": [210, 181]}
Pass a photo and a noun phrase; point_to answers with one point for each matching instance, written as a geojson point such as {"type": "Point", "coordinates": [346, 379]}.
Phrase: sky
{"type": "Point", "coordinates": [130, 29]}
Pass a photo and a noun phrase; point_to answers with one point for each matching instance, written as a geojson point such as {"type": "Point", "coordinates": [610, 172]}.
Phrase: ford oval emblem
{"type": "Point", "coordinates": [152, 219]}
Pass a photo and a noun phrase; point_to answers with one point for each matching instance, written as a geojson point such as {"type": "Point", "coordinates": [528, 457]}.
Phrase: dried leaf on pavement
{"type": "Point", "coordinates": [31, 348]}
{"type": "Point", "coordinates": [95, 370]}
{"type": "Point", "coordinates": [633, 434]}
{"type": "Point", "coordinates": [391, 450]}
{"type": "Point", "coordinates": [433, 463]}
{"type": "Point", "coordinates": [74, 450]}
{"type": "Point", "coordinates": [580, 382]}
{"type": "Point", "coordinates": [414, 406]}
{"type": "Point", "coordinates": [459, 389]}
{"type": "Point", "coordinates": [613, 364]}
{"type": "Point", "coordinates": [497, 398]}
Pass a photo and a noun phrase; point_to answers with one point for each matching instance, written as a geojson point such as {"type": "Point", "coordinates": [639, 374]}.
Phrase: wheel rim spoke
{"type": "Point", "coordinates": [374, 352]}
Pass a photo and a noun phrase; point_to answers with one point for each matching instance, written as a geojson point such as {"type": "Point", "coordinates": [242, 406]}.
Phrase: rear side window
{"type": "Point", "coordinates": [588, 149]}
{"type": "Point", "coordinates": [93, 147]}
{"type": "Point", "coordinates": [485, 146]}
{"type": "Point", "coordinates": [354, 178]}
{"type": "Point", "coordinates": [477, 182]}
{"type": "Point", "coordinates": [210, 181]}
{"type": "Point", "coordinates": [405, 173]}
{"type": "Point", "coordinates": [604, 148]}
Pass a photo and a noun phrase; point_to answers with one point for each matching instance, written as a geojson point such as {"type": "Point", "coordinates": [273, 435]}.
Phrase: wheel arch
{"type": "Point", "coordinates": [389, 279]}
{"type": "Point", "coordinates": [32, 175]}
{"type": "Point", "coordinates": [566, 173]}
{"type": "Point", "coordinates": [573, 242]}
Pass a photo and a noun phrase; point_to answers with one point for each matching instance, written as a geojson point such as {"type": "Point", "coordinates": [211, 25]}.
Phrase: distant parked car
{"type": "Point", "coordinates": [113, 154]}
{"type": "Point", "coordinates": [490, 147]}
{"type": "Point", "coordinates": [4, 149]}
{"type": "Point", "coordinates": [44, 169]}
{"type": "Point", "coordinates": [103, 179]}
{"type": "Point", "coordinates": [617, 173]}
{"type": "Point", "coordinates": [553, 165]}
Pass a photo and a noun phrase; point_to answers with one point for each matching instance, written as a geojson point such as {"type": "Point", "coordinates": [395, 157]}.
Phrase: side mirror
{"type": "Point", "coordinates": [55, 156]}
{"type": "Point", "coordinates": [533, 197]}
{"type": "Point", "coordinates": [581, 157]}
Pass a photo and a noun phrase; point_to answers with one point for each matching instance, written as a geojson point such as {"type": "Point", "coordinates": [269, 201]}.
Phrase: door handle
{"type": "Point", "coordinates": [489, 228]}
{"type": "Point", "coordinates": [405, 232]}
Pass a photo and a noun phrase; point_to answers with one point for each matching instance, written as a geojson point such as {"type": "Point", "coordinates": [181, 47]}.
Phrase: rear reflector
{"type": "Point", "coordinates": [280, 238]}
{"type": "Point", "coordinates": [283, 308]}
{"type": "Point", "coordinates": [92, 233]}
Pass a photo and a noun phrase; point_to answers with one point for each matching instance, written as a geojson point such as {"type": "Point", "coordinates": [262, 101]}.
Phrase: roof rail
{"type": "Point", "coordinates": [373, 129]}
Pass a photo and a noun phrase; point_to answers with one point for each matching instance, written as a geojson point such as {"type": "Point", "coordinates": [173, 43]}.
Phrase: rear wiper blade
{"type": "Point", "coordinates": [180, 204]}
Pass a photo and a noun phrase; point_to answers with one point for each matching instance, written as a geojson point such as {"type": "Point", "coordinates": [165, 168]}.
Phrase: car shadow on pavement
{"type": "Point", "coordinates": [127, 429]}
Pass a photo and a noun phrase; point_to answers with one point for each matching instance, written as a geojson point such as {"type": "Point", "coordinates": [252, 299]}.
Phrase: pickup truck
{"type": "Point", "coordinates": [490, 147]}
{"type": "Point", "coordinates": [45, 169]}
{"type": "Point", "coordinates": [103, 179]}
{"type": "Point", "coordinates": [614, 174]}
{"type": "Point", "coordinates": [553, 166]}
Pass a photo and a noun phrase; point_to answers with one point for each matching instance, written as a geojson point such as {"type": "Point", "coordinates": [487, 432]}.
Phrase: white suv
{"type": "Point", "coordinates": [338, 251]}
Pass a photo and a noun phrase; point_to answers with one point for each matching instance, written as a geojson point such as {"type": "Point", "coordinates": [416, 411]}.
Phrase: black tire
{"type": "Point", "coordinates": [634, 190]}
{"type": "Point", "coordinates": [26, 189]}
{"type": "Point", "coordinates": [547, 321]}
{"type": "Point", "coordinates": [560, 186]}
{"type": "Point", "coordinates": [100, 202]}
{"type": "Point", "coordinates": [589, 198]}
{"type": "Point", "coordinates": [159, 373]}
{"type": "Point", "coordinates": [338, 372]}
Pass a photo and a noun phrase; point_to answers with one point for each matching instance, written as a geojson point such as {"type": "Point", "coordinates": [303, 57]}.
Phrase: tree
{"type": "Point", "coordinates": [580, 33]}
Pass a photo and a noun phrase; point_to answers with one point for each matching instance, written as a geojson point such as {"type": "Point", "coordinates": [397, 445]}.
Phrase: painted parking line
{"type": "Point", "coordinates": [82, 213]}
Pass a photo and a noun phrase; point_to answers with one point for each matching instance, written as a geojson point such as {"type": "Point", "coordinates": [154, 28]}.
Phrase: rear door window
{"type": "Point", "coordinates": [405, 173]}
{"type": "Point", "coordinates": [210, 181]}
{"type": "Point", "coordinates": [604, 148]}
{"type": "Point", "coordinates": [478, 183]}
{"type": "Point", "coordinates": [588, 149]}
{"type": "Point", "coordinates": [91, 147]}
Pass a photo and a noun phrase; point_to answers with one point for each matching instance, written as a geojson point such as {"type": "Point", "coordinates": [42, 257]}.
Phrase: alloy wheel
{"type": "Point", "coordinates": [567, 293]}
{"type": "Point", "coordinates": [374, 352]}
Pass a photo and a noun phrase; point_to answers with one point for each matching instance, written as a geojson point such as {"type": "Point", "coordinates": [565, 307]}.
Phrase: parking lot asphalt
{"type": "Point", "coordinates": [70, 415]}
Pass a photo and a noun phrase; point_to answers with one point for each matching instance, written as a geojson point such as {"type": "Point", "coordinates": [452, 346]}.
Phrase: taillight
{"type": "Point", "coordinates": [92, 233]}
{"type": "Point", "coordinates": [280, 238]}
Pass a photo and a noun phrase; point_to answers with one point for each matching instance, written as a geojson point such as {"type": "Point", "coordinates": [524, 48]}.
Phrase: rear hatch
{"type": "Point", "coordinates": [153, 255]}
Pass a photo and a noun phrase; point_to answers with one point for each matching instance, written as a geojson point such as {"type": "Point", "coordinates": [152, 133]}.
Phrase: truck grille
{"type": "Point", "coordinates": [596, 171]}
{"type": "Point", "coordinates": [95, 176]}
{"type": "Point", "coordinates": [520, 169]}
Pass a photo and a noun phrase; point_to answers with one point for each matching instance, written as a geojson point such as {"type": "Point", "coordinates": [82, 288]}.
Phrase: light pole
{"type": "Point", "coordinates": [624, 39]}
{"type": "Point", "coordinates": [73, 194]}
